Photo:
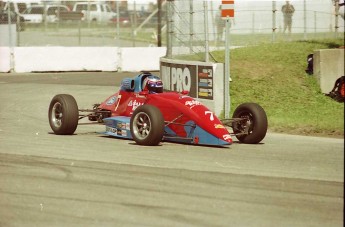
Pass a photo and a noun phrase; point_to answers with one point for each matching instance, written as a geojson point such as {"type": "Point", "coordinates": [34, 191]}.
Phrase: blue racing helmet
{"type": "Point", "coordinates": [152, 84]}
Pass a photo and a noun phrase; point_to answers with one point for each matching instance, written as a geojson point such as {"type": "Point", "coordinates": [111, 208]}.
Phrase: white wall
{"type": "Point", "coordinates": [41, 59]}
{"type": "Point", "coordinates": [328, 67]}
{"type": "Point", "coordinates": [141, 58]}
{"type": "Point", "coordinates": [5, 56]}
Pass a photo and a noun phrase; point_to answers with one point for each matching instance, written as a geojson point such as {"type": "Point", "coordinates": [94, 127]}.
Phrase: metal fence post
{"type": "Point", "coordinates": [227, 75]}
{"type": "Point", "coordinates": [79, 32]}
{"type": "Point", "coordinates": [253, 23]}
{"type": "Point", "coordinates": [118, 23]}
{"type": "Point", "coordinates": [10, 44]}
{"type": "Point", "coordinates": [19, 28]}
{"type": "Point", "coordinates": [274, 10]}
{"type": "Point", "coordinates": [134, 23]}
{"type": "Point", "coordinates": [315, 18]}
{"type": "Point", "coordinates": [191, 28]}
{"type": "Point", "coordinates": [169, 28]}
{"type": "Point", "coordinates": [305, 19]}
{"type": "Point", "coordinates": [88, 13]}
{"type": "Point", "coordinates": [336, 25]}
{"type": "Point", "coordinates": [206, 32]}
{"type": "Point", "coordinates": [45, 22]}
{"type": "Point", "coordinates": [159, 23]}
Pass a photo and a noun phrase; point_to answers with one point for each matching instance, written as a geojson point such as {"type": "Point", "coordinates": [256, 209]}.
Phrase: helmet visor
{"type": "Point", "coordinates": [155, 86]}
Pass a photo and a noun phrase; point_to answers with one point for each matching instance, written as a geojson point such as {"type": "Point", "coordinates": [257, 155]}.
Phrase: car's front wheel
{"type": "Point", "coordinates": [63, 114]}
{"type": "Point", "coordinates": [147, 125]}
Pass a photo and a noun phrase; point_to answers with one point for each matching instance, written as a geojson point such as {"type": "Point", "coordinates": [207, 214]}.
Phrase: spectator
{"type": "Point", "coordinates": [339, 7]}
{"type": "Point", "coordinates": [220, 24]}
{"type": "Point", "coordinates": [288, 11]}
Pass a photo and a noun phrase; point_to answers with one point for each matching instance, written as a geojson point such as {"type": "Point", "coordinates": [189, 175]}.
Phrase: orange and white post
{"type": "Point", "coordinates": [228, 11]}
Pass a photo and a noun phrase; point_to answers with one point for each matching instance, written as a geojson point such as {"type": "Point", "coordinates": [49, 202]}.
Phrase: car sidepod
{"type": "Point", "coordinates": [118, 127]}
{"type": "Point", "coordinates": [189, 121]}
{"type": "Point", "coordinates": [195, 135]}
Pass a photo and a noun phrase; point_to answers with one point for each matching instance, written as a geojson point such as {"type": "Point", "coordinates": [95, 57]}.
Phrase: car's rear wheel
{"type": "Point", "coordinates": [252, 126]}
{"type": "Point", "coordinates": [63, 114]}
{"type": "Point", "coordinates": [147, 125]}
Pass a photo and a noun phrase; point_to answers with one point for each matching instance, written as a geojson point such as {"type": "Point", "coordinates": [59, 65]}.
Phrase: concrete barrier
{"type": "Point", "coordinates": [42, 59]}
{"type": "Point", "coordinates": [141, 58]}
{"type": "Point", "coordinates": [203, 80]}
{"type": "Point", "coordinates": [5, 59]}
{"type": "Point", "coordinates": [328, 66]}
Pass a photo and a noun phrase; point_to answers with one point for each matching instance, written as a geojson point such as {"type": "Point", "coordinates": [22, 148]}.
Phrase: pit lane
{"type": "Point", "coordinates": [91, 180]}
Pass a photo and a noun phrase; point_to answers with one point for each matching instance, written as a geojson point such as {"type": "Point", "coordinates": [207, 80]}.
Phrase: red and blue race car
{"type": "Point", "coordinates": [141, 111]}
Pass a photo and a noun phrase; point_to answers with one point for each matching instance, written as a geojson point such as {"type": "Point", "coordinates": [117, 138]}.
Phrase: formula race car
{"type": "Point", "coordinates": [141, 111]}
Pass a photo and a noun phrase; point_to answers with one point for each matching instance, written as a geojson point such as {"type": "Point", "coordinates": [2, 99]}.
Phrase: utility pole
{"type": "Point", "coordinates": [159, 23]}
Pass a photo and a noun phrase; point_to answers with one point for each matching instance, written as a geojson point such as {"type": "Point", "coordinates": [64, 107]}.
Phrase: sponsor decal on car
{"type": "Point", "coordinates": [110, 129]}
{"type": "Point", "coordinates": [219, 126]}
{"type": "Point", "coordinates": [121, 125]}
{"type": "Point", "coordinates": [192, 103]}
{"type": "Point", "coordinates": [227, 137]}
{"type": "Point", "coordinates": [111, 101]}
{"type": "Point", "coordinates": [135, 104]}
{"type": "Point", "coordinates": [121, 132]}
{"type": "Point", "coordinates": [124, 133]}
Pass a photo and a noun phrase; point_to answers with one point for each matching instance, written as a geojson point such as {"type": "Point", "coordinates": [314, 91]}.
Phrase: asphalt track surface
{"type": "Point", "coordinates": [91, 180]}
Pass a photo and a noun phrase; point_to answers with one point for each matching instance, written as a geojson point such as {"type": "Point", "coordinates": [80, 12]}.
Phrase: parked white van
{"type": "Point", "coordinates": [94, 11]}
{"type": "Point", "coordinates": [19, 6]}
{"type": "Point", "coordinates": [39, 13]}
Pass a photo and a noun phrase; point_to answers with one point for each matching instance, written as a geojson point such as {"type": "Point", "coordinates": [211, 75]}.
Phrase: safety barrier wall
{"type": "Point", "coordinates": [42, 59]}
{"type": "Point", "coordinates": [141, 58]}
{"type": "Point", "coordinates": [203, 80]}
{"type": "Point", "coordinates": [5, 56]}
{"type": "Point", "coordinates": [328, 66]}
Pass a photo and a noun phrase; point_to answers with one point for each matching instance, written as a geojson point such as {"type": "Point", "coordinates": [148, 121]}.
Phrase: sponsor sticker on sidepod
{"type": "Point", "coordinates": [111, 101]}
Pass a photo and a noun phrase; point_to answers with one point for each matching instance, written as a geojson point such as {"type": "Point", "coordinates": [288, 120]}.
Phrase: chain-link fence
{"type": "Point", "coordinates": [184, 26]}
{"type": "Point", "coordinates": [84, 23]}
{"type": "Point", "coordinates": [195, 27]}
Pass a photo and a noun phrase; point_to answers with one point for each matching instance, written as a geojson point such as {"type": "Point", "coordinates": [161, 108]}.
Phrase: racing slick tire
{"type": "Point", "coordinates": [147, 125]}
{"type": "Point", "coordinates": [63, 114]}
{"type": "Point", "coordinates": [253, 130]}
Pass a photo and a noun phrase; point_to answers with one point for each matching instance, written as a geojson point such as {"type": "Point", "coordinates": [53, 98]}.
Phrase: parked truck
{"type": "Point", "coordinates": [94, 11]}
